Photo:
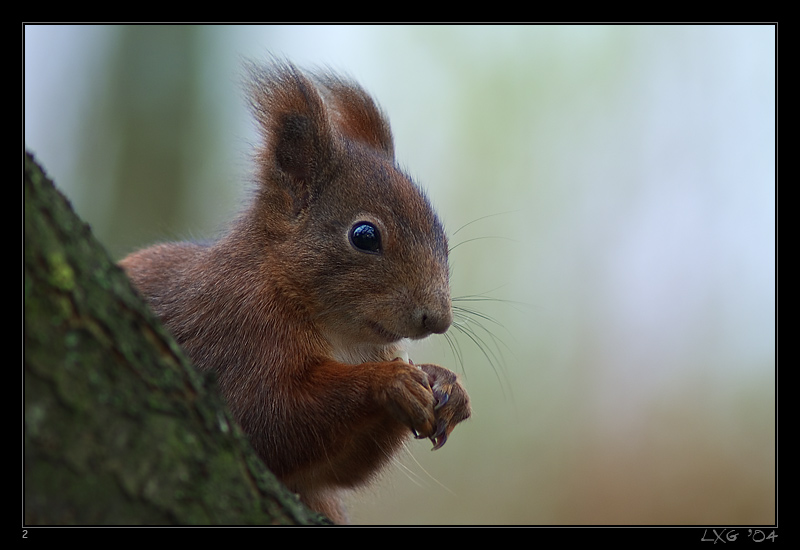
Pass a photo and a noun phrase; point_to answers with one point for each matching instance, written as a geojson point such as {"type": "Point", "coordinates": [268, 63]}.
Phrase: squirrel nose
{"type": "Point", "coordinates": [436, 321]}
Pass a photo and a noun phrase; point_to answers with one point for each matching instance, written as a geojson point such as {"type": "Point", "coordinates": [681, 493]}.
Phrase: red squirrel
{"type": "Point", "coordinates": [303, 307]}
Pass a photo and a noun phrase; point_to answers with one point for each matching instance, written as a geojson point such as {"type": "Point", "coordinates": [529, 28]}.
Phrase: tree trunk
{"type": "Point", "coordinates": [119, 427]}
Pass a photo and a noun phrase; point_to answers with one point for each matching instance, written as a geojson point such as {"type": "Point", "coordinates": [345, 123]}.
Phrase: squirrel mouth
{"type": "Point", "coordinates": [388, 336]}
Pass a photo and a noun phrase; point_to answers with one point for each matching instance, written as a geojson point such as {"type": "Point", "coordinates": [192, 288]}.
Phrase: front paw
{"type": "Point", "coordinates": [451, 402]}
{"type": "Point", "coordinates": [406, 393]}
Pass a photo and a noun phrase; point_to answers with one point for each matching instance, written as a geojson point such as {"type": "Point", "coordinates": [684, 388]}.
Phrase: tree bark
{"type": "Point", "coordinates": [119, 428]}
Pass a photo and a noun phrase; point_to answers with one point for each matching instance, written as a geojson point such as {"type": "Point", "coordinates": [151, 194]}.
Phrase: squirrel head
{"type": "Point", "coordinates": [345, 233]}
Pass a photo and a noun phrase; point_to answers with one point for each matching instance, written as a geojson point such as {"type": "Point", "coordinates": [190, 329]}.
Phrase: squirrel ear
{"type": "Point", "coordinates": [293, 121]}
{"type": "Point", "coordinates": [355, 114]}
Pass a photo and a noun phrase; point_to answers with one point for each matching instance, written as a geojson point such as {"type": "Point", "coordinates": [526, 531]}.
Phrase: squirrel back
{"type": "Point", "coordinates": [303, 306]}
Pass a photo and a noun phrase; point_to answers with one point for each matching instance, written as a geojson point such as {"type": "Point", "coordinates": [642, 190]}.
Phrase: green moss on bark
{"type": "Point", "coordinates": [119, 427]}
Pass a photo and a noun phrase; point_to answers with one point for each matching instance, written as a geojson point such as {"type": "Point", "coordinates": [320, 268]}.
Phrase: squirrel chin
{"type": "Point", "coordinates": [355, 353]}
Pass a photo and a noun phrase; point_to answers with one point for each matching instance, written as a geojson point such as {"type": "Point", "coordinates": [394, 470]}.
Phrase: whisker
{"type": "Point", "coordinates": [427, 473]}
{"type": "Point", "coordinates": [495, 361]}
{"type": "Point", "coordinates": [483, 218]}
{"type": "Point", "coordinates": [454, 347]}
{"type": "Point", "coordinates": [498, 342]}
{"type": "Point", "coordinates": [518, 306]}
{"type": "Point", "coordinates": [415, 477]}
{"type": "Point", "coordinates": [487, 351]}
{"type": "Point", "coordinates": [480, 239]}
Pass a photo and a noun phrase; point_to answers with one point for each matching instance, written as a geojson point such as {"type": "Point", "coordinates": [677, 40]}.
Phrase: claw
{"type": "Point", "coordinates": [416, 434]}
{"type": "Point", "coordinates": [440, 437]}
{"type": "Point", "coordinates": [441, 399]}
{"type": "Point", "coordinates": [438, 441]}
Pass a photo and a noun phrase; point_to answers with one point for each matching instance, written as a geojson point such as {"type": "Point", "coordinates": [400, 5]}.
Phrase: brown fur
{"type": "Point", "coordinates": [301, 327]}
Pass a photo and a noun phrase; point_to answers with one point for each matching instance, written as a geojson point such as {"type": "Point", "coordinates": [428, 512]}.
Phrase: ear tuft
{"type": "Point", "coordinates": [292, 119]}
{"type": "Point", "coordinates": [355, 114]}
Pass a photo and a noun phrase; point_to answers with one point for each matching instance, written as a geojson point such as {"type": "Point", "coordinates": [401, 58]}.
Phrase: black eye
{"type": "Point", "coordinates": [366, 237]}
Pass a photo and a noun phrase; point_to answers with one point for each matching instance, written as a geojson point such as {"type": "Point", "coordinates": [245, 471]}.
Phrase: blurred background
{"type": "Point", "coordinates": [610, 196]}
